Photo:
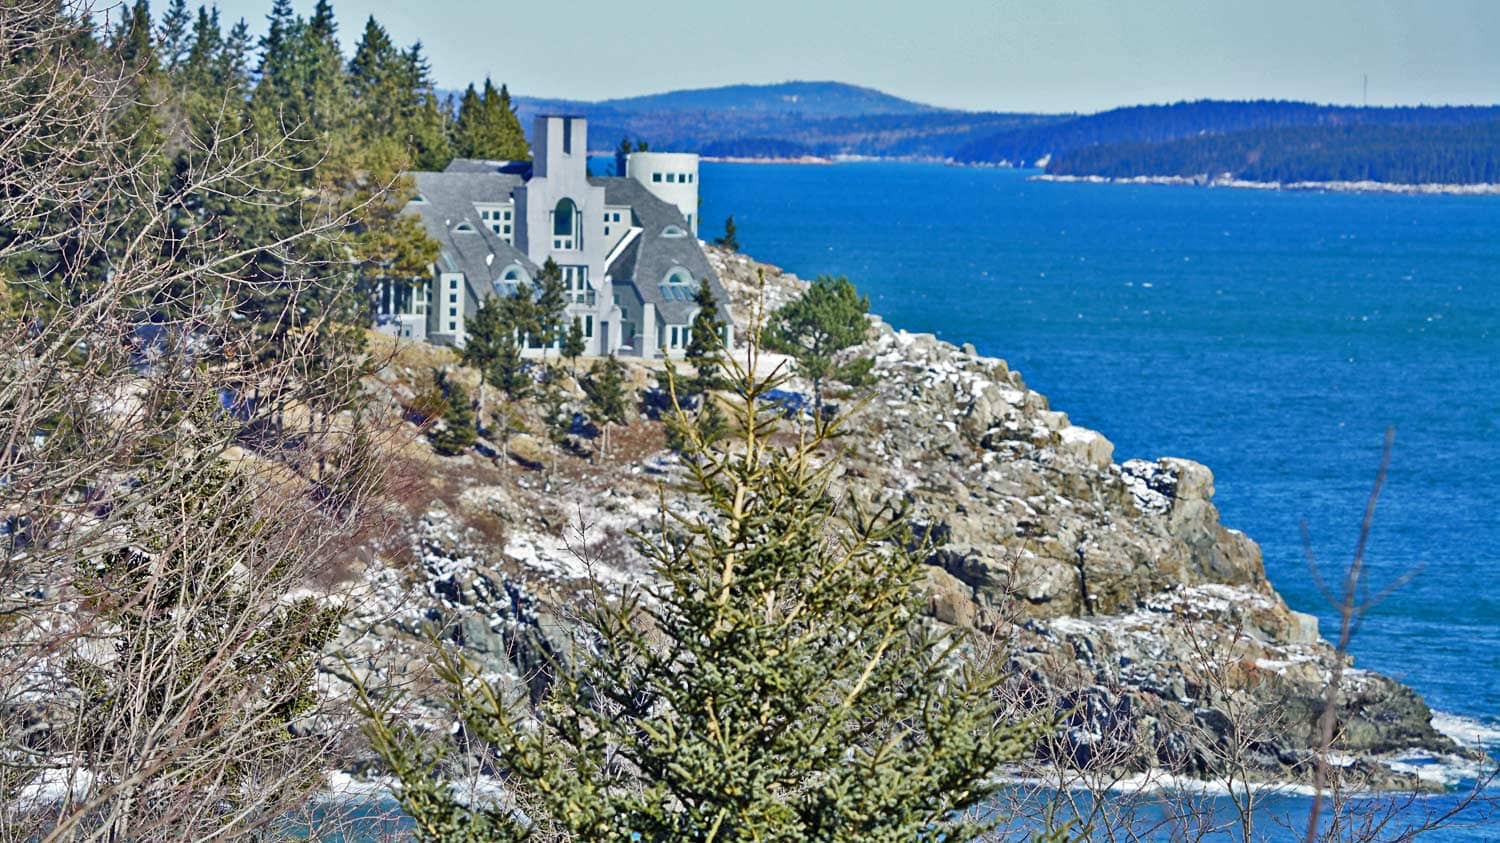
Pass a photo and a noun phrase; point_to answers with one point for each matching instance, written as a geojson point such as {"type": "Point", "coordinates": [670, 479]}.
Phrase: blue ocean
{"type": "Point", "coordinates": [1273, 336]}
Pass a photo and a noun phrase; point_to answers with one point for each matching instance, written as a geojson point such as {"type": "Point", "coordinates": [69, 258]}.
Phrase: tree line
{"type": "Point", "coordinates": [1467, 153]}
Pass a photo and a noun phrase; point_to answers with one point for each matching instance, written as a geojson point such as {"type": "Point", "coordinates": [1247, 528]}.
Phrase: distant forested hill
{"type": "Point", "coordinates": [784, 120]}
{"type": "Point", "coordinates": [1395, 154]}
{"type": "Point", "coordinates": [1272, 140]}
{"type": "Point", "coordinates": [1144, 124]}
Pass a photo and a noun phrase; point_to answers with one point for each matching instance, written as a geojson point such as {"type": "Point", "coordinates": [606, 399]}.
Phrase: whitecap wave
{"type": "Point", "coordinates": [1467, 731]}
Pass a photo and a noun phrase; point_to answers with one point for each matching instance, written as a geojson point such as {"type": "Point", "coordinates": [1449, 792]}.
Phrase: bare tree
{"type": "Point", "coordinates": [158, 522]}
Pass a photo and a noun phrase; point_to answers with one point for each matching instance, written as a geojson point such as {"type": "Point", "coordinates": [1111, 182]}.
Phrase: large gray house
{"type": "Point", "coordinates": [627, 246]}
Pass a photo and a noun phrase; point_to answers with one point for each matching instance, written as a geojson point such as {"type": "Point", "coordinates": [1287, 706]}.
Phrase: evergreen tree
{"type": "Point", "coordinates": [551, 305]}
{"type": "Point", "coordinates": [508, 371]}
{"type": "Point", "coordinates": [487, 332]}
{"type": "Point", "coordinates": [487, 126]}
{"type": "Point", "coordinates": [574, 344]}
{"type": "Point", "coordinates": [604, 387]}
{"type": "Point", "coordinates": [173, 37]}
{"type": "Point", "coordinates": [814, 329]}
{"type": "Point", "coordinates": [457, 435]}
{"type": "Point", "coordinates": [705, 346]}
{"type": "Point", "coordinates": [776, 682]}
{"type": "Point", "coordinates": [731, 238]}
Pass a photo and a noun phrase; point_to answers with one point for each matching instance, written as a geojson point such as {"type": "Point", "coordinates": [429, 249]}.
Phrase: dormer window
{"type": "Point", "coordinates": [673, 231]}
{"type": "Point", "coordinates": [678, 286]}
{"type": "Point", "coordinates": [464, 228]}
{"type": "Point", "coordinates": [419, 199]}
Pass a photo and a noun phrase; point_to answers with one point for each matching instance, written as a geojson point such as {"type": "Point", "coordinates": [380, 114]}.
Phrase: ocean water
{"type": "Point", "coordinates": [1271, 336]}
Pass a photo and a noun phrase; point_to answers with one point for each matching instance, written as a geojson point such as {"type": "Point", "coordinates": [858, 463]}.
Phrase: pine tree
{"type": "Point", "coordinates": [604, 387]}
{"type": "Point", "coordinates": [457, 435]}
{"type": "Point", "coordinates": [777, 681]}
{"type": "Point", "coordinates": [814, 329]}
{"type": "Point", "coordinates": [731, 238]}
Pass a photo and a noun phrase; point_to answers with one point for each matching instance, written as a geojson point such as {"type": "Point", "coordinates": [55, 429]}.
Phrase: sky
{"type": "Point", "coordinates": [1001, 55]}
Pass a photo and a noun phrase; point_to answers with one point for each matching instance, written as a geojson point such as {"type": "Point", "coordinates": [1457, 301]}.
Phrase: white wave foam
{"type": "Point", "coordinates": [1467, 731]}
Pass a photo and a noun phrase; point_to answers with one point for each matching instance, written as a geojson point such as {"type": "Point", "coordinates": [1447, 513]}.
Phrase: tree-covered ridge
{"type": "Point", "coordinates": [1444, 154]}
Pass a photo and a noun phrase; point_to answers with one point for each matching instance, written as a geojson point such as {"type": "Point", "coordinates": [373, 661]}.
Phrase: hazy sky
{"type": "Point", "coordinates": [1018, 55]}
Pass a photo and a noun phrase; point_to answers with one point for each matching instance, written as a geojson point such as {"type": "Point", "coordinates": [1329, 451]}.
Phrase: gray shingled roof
{"type": "Point", "coordinates": [449, 199]}
{"type": "Point", "coordinates": [648, 260]}
{"type": "Point", "coordinates": [483, 165]}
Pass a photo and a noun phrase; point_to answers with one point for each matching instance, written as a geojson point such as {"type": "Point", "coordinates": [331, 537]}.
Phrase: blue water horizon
{"type": "Point", "coordinates": [1272, 336]}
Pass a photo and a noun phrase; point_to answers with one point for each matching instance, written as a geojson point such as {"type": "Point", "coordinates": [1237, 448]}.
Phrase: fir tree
{"type": "Point", "coordinates": [776, 682]}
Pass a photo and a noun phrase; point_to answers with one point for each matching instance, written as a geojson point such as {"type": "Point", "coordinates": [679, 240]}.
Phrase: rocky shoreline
{"type": "Point", "coordinates": [1328, 186]}
{"type": "Point", "coordinates": [1119, 602]}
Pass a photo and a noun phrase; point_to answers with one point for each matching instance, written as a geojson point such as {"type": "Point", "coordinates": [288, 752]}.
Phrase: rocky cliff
{"type": "Point", "coordinates": [1120, 604]}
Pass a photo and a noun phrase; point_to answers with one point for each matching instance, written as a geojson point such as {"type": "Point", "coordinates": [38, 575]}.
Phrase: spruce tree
{"type": "Point", "coordinates": [173, 37]}
{"type": "Point", "coordinates": [604, 387]}
{"type": "Point", "coordinates": [574, 344]}
{"type": "Point", "coordinates": [705, 346]}
{"type": "Point", "coordinates": [487, 126]}
{"type": "Point", "coordinates": [457, 435]}
{"type": "Point", "coordinates": [731, 238]}
{"type": "Point", "coordinates": [775, 681]}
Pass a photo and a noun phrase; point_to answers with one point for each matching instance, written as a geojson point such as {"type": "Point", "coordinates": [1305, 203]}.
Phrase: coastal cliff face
{"type": "Point", "coordinates": [1119, 603]}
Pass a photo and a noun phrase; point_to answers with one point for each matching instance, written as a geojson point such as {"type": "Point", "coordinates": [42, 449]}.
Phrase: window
{"type": "Point", "coordinates": [678, 286]}
{"type": "Point", "coordinates": [507, 229]}
{"type": "Point", "coordinates": [617, 216]}
{"type": "Point", "coordinates": [576, 282]}
{"type": "Point", "coordinates": [673, 231]}
{"type": "Point", "coordinates": [690, 178]}
{"type": "Point", "coordinates": [565, 225]}
{"type": "Point", "coordinates": [656, 177]}
{"type": "Point", "coordinates": [606, 231]}
{"type": "Point", "coordinates": [452, 326]}
{"type": "Point", "coordinates": [507, 214]}
{"type": "Point", "coordinates": [495, 227]}
{"type": "Point", "coordinates": [419, 199]}
{"type": "Point", "coordinates": [453, 298]}
{"type": "Point", "coordinates": [484, 215]}
{"type": "Point", "coordinates": [452, 311]}
{"type": "Point", "coordinates": [588, 326]}
{"type": "Point", "coordinates": [464, 228]}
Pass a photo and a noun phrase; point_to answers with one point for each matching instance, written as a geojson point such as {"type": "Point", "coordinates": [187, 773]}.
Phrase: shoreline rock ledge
{"type": "Point", "coordinates": [1126, 607]}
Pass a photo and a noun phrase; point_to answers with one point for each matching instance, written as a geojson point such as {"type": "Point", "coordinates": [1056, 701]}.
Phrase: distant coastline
{"type": "Point", "coordinates": [1329, 186]}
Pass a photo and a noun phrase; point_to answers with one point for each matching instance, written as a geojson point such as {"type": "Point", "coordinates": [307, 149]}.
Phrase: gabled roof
{"type": "Point", "coordinates": [650, 258]}
{"type": "Point", "coordinates": [445, 203]}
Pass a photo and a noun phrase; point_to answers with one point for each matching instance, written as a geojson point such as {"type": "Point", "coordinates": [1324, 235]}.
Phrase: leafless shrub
{"type": "Point", "coordinates": [171, 477]}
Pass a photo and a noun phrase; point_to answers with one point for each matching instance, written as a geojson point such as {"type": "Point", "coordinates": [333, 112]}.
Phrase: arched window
{"type": "Point", "coordinates": [513, 277]}
{"type": "Point", "coordinates": [464, 228]}
{"type": "Point", "coordinates": [678, 285]}
{"type": "Point", "coordinates": [564, 225]}
{"type": "Point", "coordinates": [562, 218]}
{"type": "Point", "coordinates": [673, 231]}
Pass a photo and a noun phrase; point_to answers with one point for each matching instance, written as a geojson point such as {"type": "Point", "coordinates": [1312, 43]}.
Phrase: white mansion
{"type": "Point", "coordinates": [627, 246]}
